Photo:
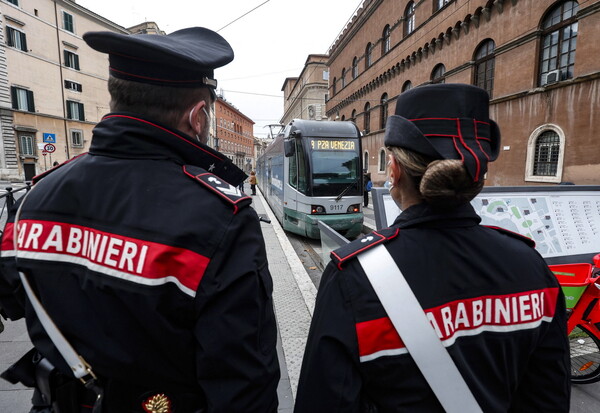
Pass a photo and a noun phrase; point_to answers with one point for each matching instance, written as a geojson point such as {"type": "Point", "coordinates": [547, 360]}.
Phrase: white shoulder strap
{"type": "Point", "coordinates": [81, 369]}
{"type": "Point", "coordinates": [416, 332]}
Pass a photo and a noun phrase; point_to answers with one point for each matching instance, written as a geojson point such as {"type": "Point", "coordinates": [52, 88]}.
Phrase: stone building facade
{"type": "Point", "coordinates": [52, 85]}
{"type": "Point", "coordinates": [304, 96]}
{"type": "Point", "coordinates": [538, 59]}
{"type": "Point", "coordinates": [233, 134]}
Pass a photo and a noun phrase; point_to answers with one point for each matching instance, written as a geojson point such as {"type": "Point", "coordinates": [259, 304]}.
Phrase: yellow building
{"type": "Point", "coordinates": [52, 85]}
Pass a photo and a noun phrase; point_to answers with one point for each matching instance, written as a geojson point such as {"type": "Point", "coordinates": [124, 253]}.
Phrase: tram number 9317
{"type": "Point", "coordinates": [332, 145]}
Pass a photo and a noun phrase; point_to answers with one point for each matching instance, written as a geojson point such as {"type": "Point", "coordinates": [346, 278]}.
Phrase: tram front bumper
{"type": "Point", "coordinates": [349, 225]}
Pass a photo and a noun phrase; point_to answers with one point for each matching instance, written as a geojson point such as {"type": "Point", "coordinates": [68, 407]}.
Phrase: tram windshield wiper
{"type": "Point", "coordinates": [346, 189]}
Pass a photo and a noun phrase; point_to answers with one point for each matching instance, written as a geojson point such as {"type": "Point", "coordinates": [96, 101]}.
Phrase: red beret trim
{"type": "Point", "coordinates": [477, 140]}
{"type": "Point", "coordinates": [473, 154]}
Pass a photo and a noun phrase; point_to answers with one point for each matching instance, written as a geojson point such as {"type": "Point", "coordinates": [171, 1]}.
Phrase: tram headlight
{"type": "Point", "coordinates": [317, 209]}
{"type": "Point", "coordinates": [354, 208]}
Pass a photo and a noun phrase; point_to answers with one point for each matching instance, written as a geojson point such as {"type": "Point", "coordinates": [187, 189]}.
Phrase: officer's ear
{"type": "Point", "coordinates": [394, 170]}
{"type": "Point", "coordinates": [198, 116]}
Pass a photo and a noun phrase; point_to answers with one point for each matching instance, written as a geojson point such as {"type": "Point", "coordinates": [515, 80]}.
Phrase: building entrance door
{"type": "Point", "coordinates": [29, 169]}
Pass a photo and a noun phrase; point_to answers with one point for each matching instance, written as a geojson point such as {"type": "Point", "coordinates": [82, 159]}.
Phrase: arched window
{"type": "Point", "coordinates": [385, 43]}
{"type": "Point", "coordinates": [484, 66]}
{"type": "Point", "coordinates": [367, 119]}
{"type": "Point", "coordinates": [382, 160]}
{"type": "Point", "coordinates": [559, 41]}
{"type": "Point", "coordinates": [366, 160]}
{"type": "Point", "coordinates": [438, 4]}
{"type": "Point", "coordinates": [343, 118]}
{"type": "Point", "coordinates": [547, 148]}
{"type": "Point", "coordinates": [353, 119]}
{"type": "Point", "coordinates": [354, 68]}
{"type": "Point", "coordinates": [438, 74]}
{"type": "Point", "coordinates": [333, 88]}
{"type": "Point", "coordinates": [343, 78]}
{"type": "Point", "coordinates": [545, 153]}
{"type": "Point", "coordinates": [409, 18]}
{"type": "Point", "coordinates": [384, 110]}
{"type": "Point", "coordinates": [368, 55]}
{"type": "Point", "coordinates": [407, 86]}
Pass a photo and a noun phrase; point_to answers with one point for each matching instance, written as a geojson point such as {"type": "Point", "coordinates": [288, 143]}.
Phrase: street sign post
{"type": "Point", "coordinates": [49, 137]}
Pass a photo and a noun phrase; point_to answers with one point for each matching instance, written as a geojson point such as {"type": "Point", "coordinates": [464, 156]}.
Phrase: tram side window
{"type": "Point", "coordinates": [293, 175]}
{"type": "Point", "coordinates": [301, 166]}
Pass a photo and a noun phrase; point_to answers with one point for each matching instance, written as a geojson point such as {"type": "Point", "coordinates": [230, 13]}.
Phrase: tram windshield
{"type": "Point", "coordinates": [335, 166]}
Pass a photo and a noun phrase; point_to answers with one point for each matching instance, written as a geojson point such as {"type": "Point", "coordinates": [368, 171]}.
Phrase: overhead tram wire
{"type": "Point", "coordinates": [245, 14]}
{"type": "Point", "coordinates": [281, 97]}
{"type": "Point", "coordinates": [313, 69]}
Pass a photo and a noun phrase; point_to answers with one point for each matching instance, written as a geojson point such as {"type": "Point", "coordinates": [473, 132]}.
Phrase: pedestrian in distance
{"type": "Point", "coordinates": [485, 296]}
{"type": "Point", "coordinates": [150, 266]}
{"type": "Point", "coordinates": [367, 185]}
{"type": "Point", "coordinates": [253, 182]}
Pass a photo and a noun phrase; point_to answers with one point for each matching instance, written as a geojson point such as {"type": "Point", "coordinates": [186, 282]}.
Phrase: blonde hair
{"type": "Point", "coordinates": [443, 184]}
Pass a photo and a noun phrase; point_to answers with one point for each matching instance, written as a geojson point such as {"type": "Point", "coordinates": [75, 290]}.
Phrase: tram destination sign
{"type": "Point", "coordinates": [564, 221]}
{"type": "Point", "coordinates": [333, 144]}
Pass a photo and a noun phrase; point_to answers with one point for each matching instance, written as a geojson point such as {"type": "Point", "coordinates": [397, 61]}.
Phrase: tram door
{"type": "Point", "coordinates": [291, 197]}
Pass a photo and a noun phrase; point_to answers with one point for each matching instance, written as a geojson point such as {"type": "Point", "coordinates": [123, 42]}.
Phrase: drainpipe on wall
{"type": "Point", "coordinates": [62, 82]}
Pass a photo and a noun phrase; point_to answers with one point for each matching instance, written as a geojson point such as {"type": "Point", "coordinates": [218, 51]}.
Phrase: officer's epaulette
{"type": "Point", "coordinates": [227, 192]}
{"type": "Point", "coordinates": [39, 177]}
{"type": "Point", "coordinates": [523, 238]}
{"type": "Point", "coordinates": [351, 250]}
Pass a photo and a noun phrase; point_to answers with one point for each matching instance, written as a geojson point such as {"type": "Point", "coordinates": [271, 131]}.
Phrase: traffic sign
{"type": "Point", "coordinates": [49, 137]}
{"type": "Point", "coordinates": [49, 148]}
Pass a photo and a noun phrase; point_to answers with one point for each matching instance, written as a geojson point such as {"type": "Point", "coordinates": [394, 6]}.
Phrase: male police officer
{"type": "Point", "coordinates": [143, 251]}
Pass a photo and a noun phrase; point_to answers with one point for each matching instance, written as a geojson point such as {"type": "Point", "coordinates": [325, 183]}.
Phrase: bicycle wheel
{"type": "Point", "coordinates": [585, 356]}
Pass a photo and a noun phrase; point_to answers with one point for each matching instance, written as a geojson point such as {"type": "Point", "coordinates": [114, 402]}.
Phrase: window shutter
{"type": "Point", "coordinates": [76, 61]}
{"type": "Point", "coordinates": [81, 112]}
{"type": "Point", "coordinates": [30, 102]}
{"type": "Point", "coordinates": [9, 36]}
{"type": "Point", "coordinates": [65, 58]}
{"type": "Point", "coordinates": [15, 101]}
{"type": "Point", "coordinates": [23, 42]}
{"type": "Point", "coordinates": [69, 112]}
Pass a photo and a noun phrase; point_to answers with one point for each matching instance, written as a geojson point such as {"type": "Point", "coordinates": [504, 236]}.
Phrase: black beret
{"type": "Point", "coordinates": [446, 121]}
{"type": "Point", "coordinates": [185, 58]}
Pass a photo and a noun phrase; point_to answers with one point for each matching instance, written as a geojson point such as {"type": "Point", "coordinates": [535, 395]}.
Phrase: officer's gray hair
{"type": "Point", "coordinates": [441, 183]}
{"type": "Point", "coordinates": [160, 103]}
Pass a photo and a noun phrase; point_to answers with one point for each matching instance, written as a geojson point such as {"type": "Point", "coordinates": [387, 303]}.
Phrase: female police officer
{"type": "Point", "coordinates": [487, 293]}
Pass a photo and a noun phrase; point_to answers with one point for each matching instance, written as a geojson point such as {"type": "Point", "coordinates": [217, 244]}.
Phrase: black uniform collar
{"type": "Point", "coordinates": [127, 135]}
{"type": "Point", "coordinates": [423, 215]}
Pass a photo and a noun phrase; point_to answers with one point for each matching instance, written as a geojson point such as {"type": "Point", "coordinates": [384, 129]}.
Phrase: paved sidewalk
{"type": "Point", "coordinates": [293, 296]}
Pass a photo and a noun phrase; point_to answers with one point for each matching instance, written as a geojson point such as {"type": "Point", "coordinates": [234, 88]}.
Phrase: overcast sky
{"type": "Point", "coordinates": [270, 43]}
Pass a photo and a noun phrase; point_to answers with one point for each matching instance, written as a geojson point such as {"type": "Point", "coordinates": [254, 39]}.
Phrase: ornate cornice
{"type": "Point", "coordinates": [451, 34]}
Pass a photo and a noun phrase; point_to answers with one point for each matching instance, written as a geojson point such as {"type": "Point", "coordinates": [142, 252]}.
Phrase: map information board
{"type": "Point", "coordinates": [564, 221]}
{"type": "Point", "coordinates": [560, 224]}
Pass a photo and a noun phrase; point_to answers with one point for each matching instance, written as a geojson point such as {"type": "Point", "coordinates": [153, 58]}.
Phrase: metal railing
{"type": "Point", "coordinates": [8, 199]}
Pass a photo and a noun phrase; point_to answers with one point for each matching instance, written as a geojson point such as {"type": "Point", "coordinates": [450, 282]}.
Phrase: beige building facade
{"type": "Point", "coordinates": [538, 59]}
{"type": "Point", "coordinates": [54, 89]}
{"type": "Point", "coordinates": [304, 96]}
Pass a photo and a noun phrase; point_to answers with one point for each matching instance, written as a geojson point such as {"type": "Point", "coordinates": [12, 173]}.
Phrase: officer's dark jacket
{"type": "Point", "coordinates": [152, 266]}
{"type": "Point", "coordinates": [492, 300]}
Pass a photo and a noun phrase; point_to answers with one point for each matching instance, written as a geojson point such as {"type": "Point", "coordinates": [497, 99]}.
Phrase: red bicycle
{"type": "Point", "coordinates": [581, 285]}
